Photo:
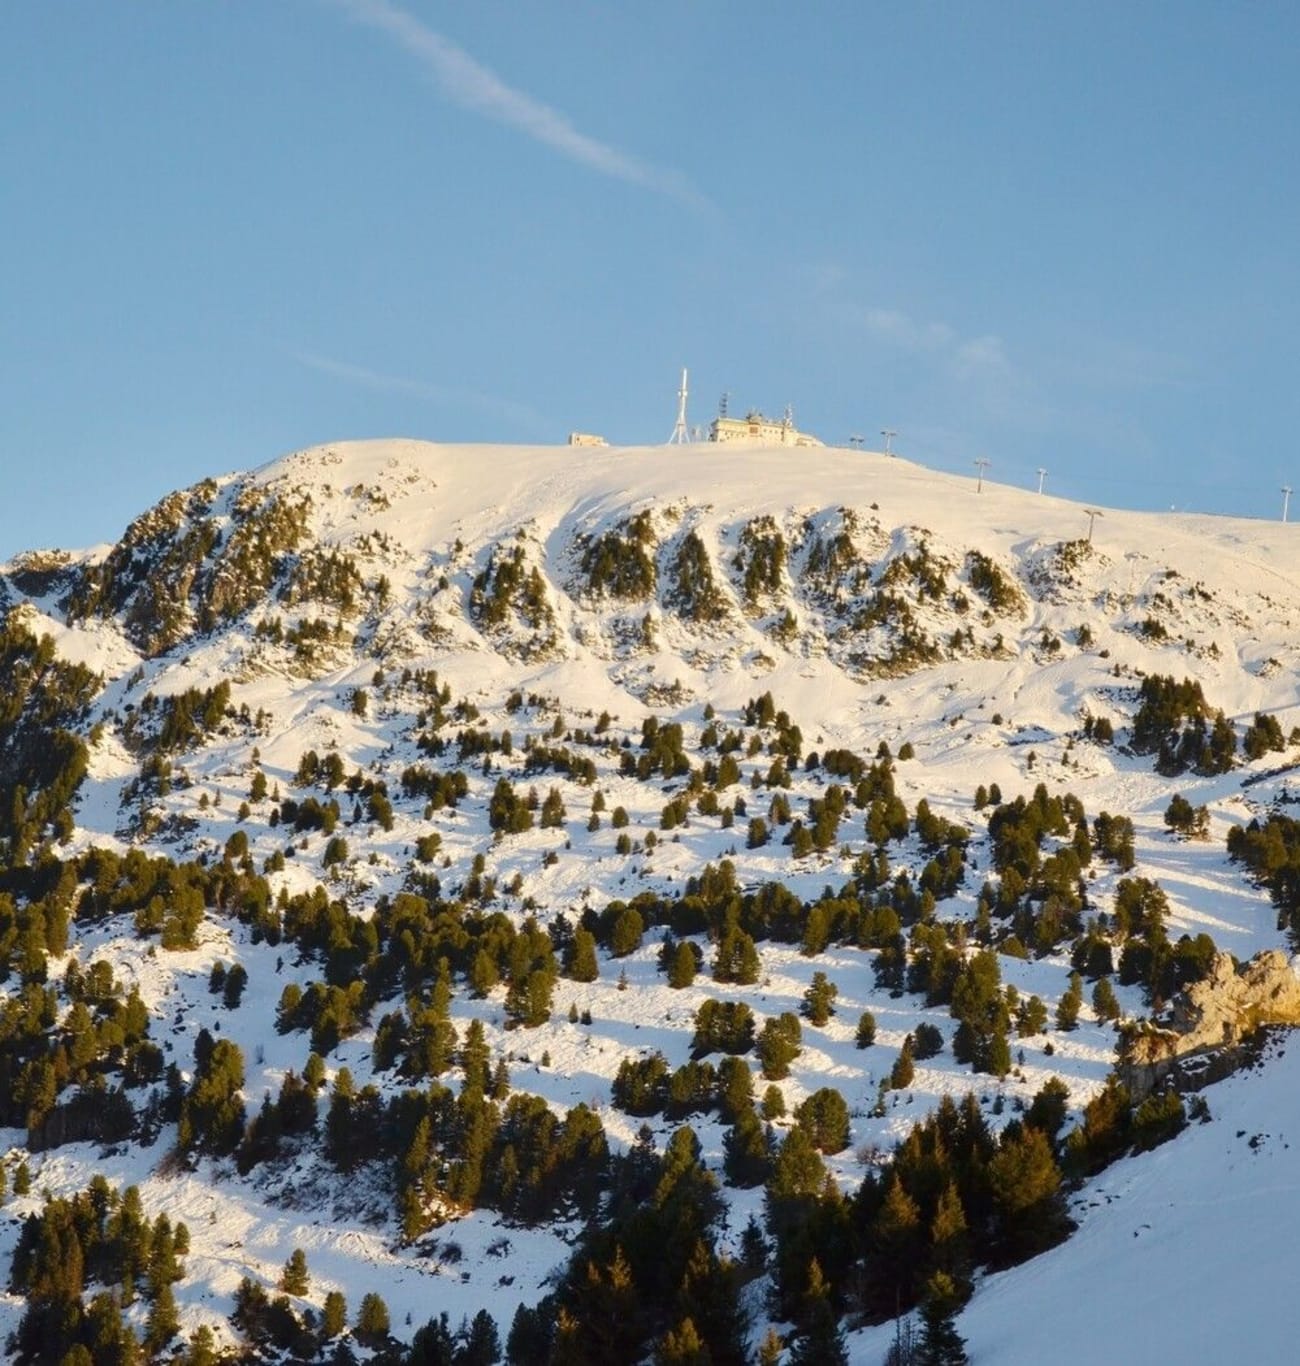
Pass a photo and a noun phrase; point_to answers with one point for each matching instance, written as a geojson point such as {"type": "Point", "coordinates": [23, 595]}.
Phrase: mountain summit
{"type": "Point", "coordinates": [623, 899]}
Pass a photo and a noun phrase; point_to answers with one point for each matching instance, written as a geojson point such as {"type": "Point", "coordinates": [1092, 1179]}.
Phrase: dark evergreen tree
{"type": "Point", "coordinates": [683, 966]}
{"type": "Point", "coordinates": [212, 1114]}
{"type": "Point", "coordinates": [779, 1042]}
{"type": "Point", "coordinates": [1025, 1187]}
{"type": "Point", "coordinates": [294, 1278]}
{"type": "Point", "coordinates": [822, 1342]}
{"type": "Point", "coordinates": [904, 1069]}
{"type": "Point", "coordinates": [580, 961]}
{"type": "Point", "coordinates": [825, 1116]}
{"type": "Point", "coordinates": [941, 1344]}
{"type": "Point", "coordinates": [373, 1322]}
{"type": "Point", "coordinates": [819, 1000]}
{"type": "Point", "coordinates": [746, 1151]}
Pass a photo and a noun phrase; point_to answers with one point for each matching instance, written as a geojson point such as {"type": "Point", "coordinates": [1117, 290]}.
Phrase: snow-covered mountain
{"type": "Point", "coordinates": [683, 651]}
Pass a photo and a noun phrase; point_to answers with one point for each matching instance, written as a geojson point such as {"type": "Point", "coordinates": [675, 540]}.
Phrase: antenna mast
{"type": "Point", "coordinates": [681, 434]}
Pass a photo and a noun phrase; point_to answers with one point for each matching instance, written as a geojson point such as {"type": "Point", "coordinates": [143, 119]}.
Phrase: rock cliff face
{"type": "Point", "coordinates": [1212, 1020]}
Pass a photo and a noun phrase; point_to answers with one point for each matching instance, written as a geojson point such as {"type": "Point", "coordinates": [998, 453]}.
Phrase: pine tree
{"type": "Point", "coordinates": [895, 1248]}
{"type": "Point", "coordinates": [334, 1316]}
{"type": "Point", "coordinates": [901, 1074]}
{"type": "Point", "coordinates": [582, 965]}
{"type": "Point", "coordinates": [941, 1344]}
{"type": "Point", "coordinates": [819, 999]}
{"type": "Point", "coordinates": [413, 1182]}
{"type": "Point", "coordinates": [202, 1348]}
{"type": "Point", "coordinates": [746, 1151]}
{"type": "Point", "coordinates": [212, 1114]}
{"type": "Point", "coordinates": [825, 1116]}
{"type": "Point", "coordinates": [1104, 1001]}
{"type": "Point", "coordinates": [822, 1341]}
{"type": "Point", "coordinates": [163, 1322]}
{"type": "Point", "coordinates": [480, 1343]}
{"type": "Point", "coordinates": [682, 968]}
{"type": "Point", "coordinates": [475, 1059]}
{"type": "Point", "coordinates": [778, 1044]}
{"type": "Point", "coordinates": [1067, 1008]}
{"type": "Point", "coordinates": [372, 1321]}
{"type": "Point", "coordinates": [709, 1299]}
{"type": "Point", "coordinates": [950, 1241]}
{"type": "Point", "coordinates": [294, 1278]}
{"type": "Point", "coordinates": [1025, 1184]}
{"type": "Point", "coordinates": [733, 1088]}
{"type": "Point", "coordinates": [997, 1054]}
{"type": "Point", "coordinates": [770, 1349]}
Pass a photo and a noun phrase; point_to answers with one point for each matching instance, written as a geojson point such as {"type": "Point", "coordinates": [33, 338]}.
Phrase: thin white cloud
{"type": "Point", "coordinates": [473, 86]}
{"type": "Point", "coordinates": [980, 356]}
{"type": "Point", "coordinates": [967, 359]}
{"type": "Point", "coordinates": [892, 325]}
{"type": "Point", "coordinates": [519, 414]}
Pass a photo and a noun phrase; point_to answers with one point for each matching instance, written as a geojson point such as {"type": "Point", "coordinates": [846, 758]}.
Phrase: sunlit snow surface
{"type": "Point", "coordinates": [1180, 1253]}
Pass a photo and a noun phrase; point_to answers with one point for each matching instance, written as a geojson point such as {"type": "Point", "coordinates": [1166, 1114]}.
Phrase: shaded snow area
{"type": "Point", "coordinates": [882, 606]}
{"type": "Point", "coordinates": [1183, 1254]}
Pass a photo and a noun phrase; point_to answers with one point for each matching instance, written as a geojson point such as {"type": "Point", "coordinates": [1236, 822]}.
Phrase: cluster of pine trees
{"type": "Point", "coordinates": [100, 1243]}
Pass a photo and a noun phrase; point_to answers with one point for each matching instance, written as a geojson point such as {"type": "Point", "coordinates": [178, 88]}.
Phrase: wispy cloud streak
{"type": "Point", "coordinates": [529, 419]}
{"type": "Point", "coordinates": [473, 86]}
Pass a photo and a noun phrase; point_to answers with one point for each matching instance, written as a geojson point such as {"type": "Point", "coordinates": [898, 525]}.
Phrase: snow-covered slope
{"type": "Point", "coordinates": [1182, 1254]}
{"type": "Point", "coordinates": [568, 595]}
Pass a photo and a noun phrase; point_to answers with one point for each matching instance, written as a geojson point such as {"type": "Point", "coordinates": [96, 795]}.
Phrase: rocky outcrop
{"type": "Point", "coordinates": [1211, 1022]}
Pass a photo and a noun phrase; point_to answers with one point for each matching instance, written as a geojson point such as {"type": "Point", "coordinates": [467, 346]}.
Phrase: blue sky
{"type": "Point", "coordinates": [1044, 234]}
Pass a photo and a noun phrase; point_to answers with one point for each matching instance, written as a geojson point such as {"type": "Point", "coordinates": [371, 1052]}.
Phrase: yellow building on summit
{"type": "Point", "coordinates": [760, 430]}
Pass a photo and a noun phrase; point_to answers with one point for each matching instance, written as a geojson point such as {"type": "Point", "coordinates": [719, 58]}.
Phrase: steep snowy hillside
{"type": "Point", "coordinates": [1181, 1255]}
{"type": "Point", "coordinates": [402, 843]}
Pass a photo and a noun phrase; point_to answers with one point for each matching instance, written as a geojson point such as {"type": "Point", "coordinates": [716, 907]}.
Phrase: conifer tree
{"type": "Point", "coordinates": [778, 1044]}
{"type": "Point", "coordinates": [770, 1349]}
{"type": "Point", "coordinates": [334, 1315]}
{"type": "Point", "coordinates": [950, 1241]}
{"type": "Point", "coordinates": [903, 1070]}
{"type": "Point", "coordinates": [941, 1344]}
{"type": "Point", "coordinates": [1104, 1001]}
{"type": "Point", "coordinates": [735, 1088]}
{"type": "Point", "coordinates": [294, 1278]}
{"type": "Point", "coordinates": [682, 1346]}
{"type": "Point", "coordinates": [682, 967]}
{"type": "Point", "coordinates": [582, 965]}
{"type": "Point", "coordinates": [372, 1320]}
{"type": "Point", "coordinates": [1025, 1184]}
{"type": "Point", "coordinates": [212, 1114]}
{"type": "Point", "coordinates": [895, 1248]}
{"type": "Point", "coordinates": [202, 1348]}
{"type": "Point", "coordinates": [1067, 1008]}
{"type": "Point", "coordinates": [475, 1059]}
{"type": "Point", "coordinates": [825, 1116]}
{"type": "Point", "coordinates": [819, 1000]}
{"type": "Point", "coordinates": [746, 1151]}
{"type": "Point", "coordinates": [163, 1321]}
{"type": "Point", "coordinates": [709, 1298]}
{"type": "Point", "coordinates": [480, 1343]}
{"type": "Point", "coordinates": [822, 1341]}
